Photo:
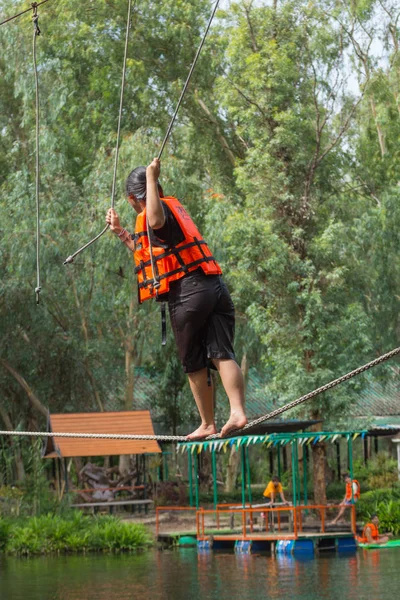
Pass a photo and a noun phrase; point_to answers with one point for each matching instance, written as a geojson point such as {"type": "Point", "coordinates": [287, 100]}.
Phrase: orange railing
{"type": "Point", "coordinates": [226, 507]}
{"type": "Point", "coordinates": [160, 509]}
{"type": "Point", "coordinates": [322, 508]}
{"type": "Point", "coordinates": [272, 519]}
{"type": "Point", "coordinates": [290, 530]}
{"type": "Point", "coordinates": [247, 519]}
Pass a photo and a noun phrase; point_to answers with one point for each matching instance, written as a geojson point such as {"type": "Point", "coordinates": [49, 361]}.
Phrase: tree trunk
{"type": "Point", "coordinates": [130, 378]}
{"type": "Point", "coordinates": [19, 465]}
{"type": "Point", "coordinates": [33, 399]}
{"type": "Point", "coordinates": [124, 464]}
{"type": "Point", "coordinates": [319, 472]}
{"type": "Point", "coordinates": [232, 470]}
{"type": "Point", "coordinates": [381, 137]}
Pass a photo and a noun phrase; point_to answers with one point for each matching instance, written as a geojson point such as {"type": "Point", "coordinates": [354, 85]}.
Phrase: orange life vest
{"type": "Point", "coordinates": [172, 263]}
{"type": "Point", "coordinates": [374, 533]}
{"type": "Point", "coordinates": [349, 494]}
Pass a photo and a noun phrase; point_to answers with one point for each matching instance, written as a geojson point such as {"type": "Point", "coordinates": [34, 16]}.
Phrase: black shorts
{"type": "Point", "coordinates": [203, 319]}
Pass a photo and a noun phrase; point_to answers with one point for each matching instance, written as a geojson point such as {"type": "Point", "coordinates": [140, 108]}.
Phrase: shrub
{"type": "Point", "coordinates": [5, 527]}
{"type": "Point", "coordinates": [171, 492]}
{"type": "Point", "coordinates": [386, 504]}
{"type": "Point", "coordinates": [379, 472]}
{"type": "Point", "coordinates": [51, 533]}
{"type": "Point", "coordinates": [10, 500]}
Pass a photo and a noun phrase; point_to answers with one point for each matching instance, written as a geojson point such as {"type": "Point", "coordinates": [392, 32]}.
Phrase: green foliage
{"type": "Point", "coordinates": [50, 533]}
{"type": "Point", "coordinates": [379, 472]}
{"type": "Point", "coordinates": [386, 504]}
{"type": "Point", "coordinates": [171, 492]}
{"type": "Point", "coordinates": [389, 516]}
{"type": "Point", "coordinates": [289, 166]}
{"type": "Point", "coordinates": [11, 499]}
{"type": "Point", "coordinates": [5, 528]}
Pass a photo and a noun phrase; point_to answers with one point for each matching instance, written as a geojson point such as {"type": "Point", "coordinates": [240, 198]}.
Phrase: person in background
{"type": "Point", "coordinates": [274, 488]}
{"type": "Point", "coordinates": [370, 534]}
{"type": "Point", "coordinates": [352, 495]}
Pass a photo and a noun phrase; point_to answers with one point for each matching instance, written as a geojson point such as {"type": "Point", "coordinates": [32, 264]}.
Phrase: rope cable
{"type": "Point", "coordinates": [36, 33]}
{"type": "Point", "coordinates": [180, 438]}
{"type": "Point", "coordinates": [71, 258]}
{"type": "Point", "coordinates": [187, 80]}
{"type": "Point", "coordinates": [23, 12]}
{"type": "Point", "coordinates": [320, 390]}
{"type": "Point", "coordinates": [156, 281]}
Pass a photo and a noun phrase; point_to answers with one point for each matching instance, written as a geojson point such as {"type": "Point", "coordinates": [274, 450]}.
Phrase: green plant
{"type": "Point", "coordinates": [52, 533]}
{"type": "Point", "coordinates": [171, 492]}
{"type": "Point", "coordinates": [11, 499]}
{"type": "Point", "coordinates": [5, 527]}
{"type": "Point", "coordinates": [389, 516]}
{"type": "Point", "coordinates": [386, 504]}
{"type": "Point", "coordinates": [379, 472]}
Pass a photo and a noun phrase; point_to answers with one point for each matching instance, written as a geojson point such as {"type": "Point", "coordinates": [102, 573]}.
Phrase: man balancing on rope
{"type": "Point", "coordinates": [187, 276]}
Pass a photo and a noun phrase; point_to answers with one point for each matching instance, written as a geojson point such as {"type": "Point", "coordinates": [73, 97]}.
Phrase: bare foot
{"type": "Point", "coordinates": [236, 421]}
{"type": "Point", "coordinates": [202, 432]}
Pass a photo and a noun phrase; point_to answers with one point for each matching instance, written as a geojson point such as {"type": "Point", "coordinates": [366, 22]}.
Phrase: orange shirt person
{"type": "Point", "coordinates": [274, 488]}
{"type": "Point", "coordinates": [352, 495]}
{"type": "Point", "coordinates": [370, 534]}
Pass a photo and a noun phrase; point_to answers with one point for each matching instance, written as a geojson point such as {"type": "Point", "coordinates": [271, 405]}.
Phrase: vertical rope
{"type": "Point", "coordinates": [188, 80]}
{"type": "Point", "coordinates": [70, 259]}
{"type": "Point", "coordinates": [36, 33]}
{"type": "Point", "coordinates": [156, 283]}
{"type": "Point", "coordinates": [121, 101]}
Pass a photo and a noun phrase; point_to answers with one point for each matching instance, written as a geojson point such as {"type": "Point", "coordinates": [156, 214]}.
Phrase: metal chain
{"type": "Point", "coordinates": [70, 259]}
{"type": "Point", "coordinates": [36, 33]}
{"type": "Point", "coordinates": [180, 438]}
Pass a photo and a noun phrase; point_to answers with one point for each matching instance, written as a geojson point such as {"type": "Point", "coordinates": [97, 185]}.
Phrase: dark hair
{"type": "Point", "coordinates": [276, 479]}
{"type": "Point", "coordinates": [136, 184]}
{"type": "Point", "coordinates": [374, 516]}
{"type": "Point", "coordinates": [346, 475]}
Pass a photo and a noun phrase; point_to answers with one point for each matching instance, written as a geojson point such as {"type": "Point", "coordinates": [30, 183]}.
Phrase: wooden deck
{"type": "Point", "coordinates": [280, 529]}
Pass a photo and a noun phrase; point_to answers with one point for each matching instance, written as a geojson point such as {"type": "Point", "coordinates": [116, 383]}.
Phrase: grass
{"type": "Point", "coordinates": [53, 534]}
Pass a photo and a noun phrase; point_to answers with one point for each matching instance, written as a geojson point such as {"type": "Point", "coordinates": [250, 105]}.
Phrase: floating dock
{"type": "Point", "coordinates": [275, 530]}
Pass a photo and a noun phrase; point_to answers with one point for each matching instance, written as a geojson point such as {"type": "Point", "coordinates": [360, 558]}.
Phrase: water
{"type": "Point", "coordinates": [184, 574]}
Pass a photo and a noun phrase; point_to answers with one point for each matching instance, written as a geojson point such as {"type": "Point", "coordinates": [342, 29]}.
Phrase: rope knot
{"type": "Point", "coordinates": [35, 18]}
{"type": "Point", "coordinates": [38, 289]}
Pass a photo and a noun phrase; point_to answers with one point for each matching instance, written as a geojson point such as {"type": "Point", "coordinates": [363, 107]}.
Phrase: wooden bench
{"type": "Point", "coordinates": [96, 505]}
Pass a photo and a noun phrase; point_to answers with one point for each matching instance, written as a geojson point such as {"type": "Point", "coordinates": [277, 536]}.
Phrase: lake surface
{"type": "Point", "coordinates": [184, 574]}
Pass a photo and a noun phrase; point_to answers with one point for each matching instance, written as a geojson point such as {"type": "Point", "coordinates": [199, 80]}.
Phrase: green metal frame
{"type": "Point", "coordinates": [214, 472]}
{"type": "Point", "coordinates": [190, 477]}
{"type": "Point", "coordinates": [305, 477]}
{"type": "Point", "coordinates": [196, 479]}
{"type": "Point", "coordinates": [243, 469]}
{"type": "Point", "coordinates": [273, 439]}
{"type": "Point", "coordinates": [249, 495]}
{"type": "Point", "coordinates": [350, 455]}
{"type": "Point", "coordinates": [279, 461]}
{"type": "Point", "coordinates": [294, 473]}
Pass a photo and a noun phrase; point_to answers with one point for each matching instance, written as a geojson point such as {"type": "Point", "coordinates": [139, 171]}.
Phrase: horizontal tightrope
{"type": "Point", "coordinates": [183, 438]}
